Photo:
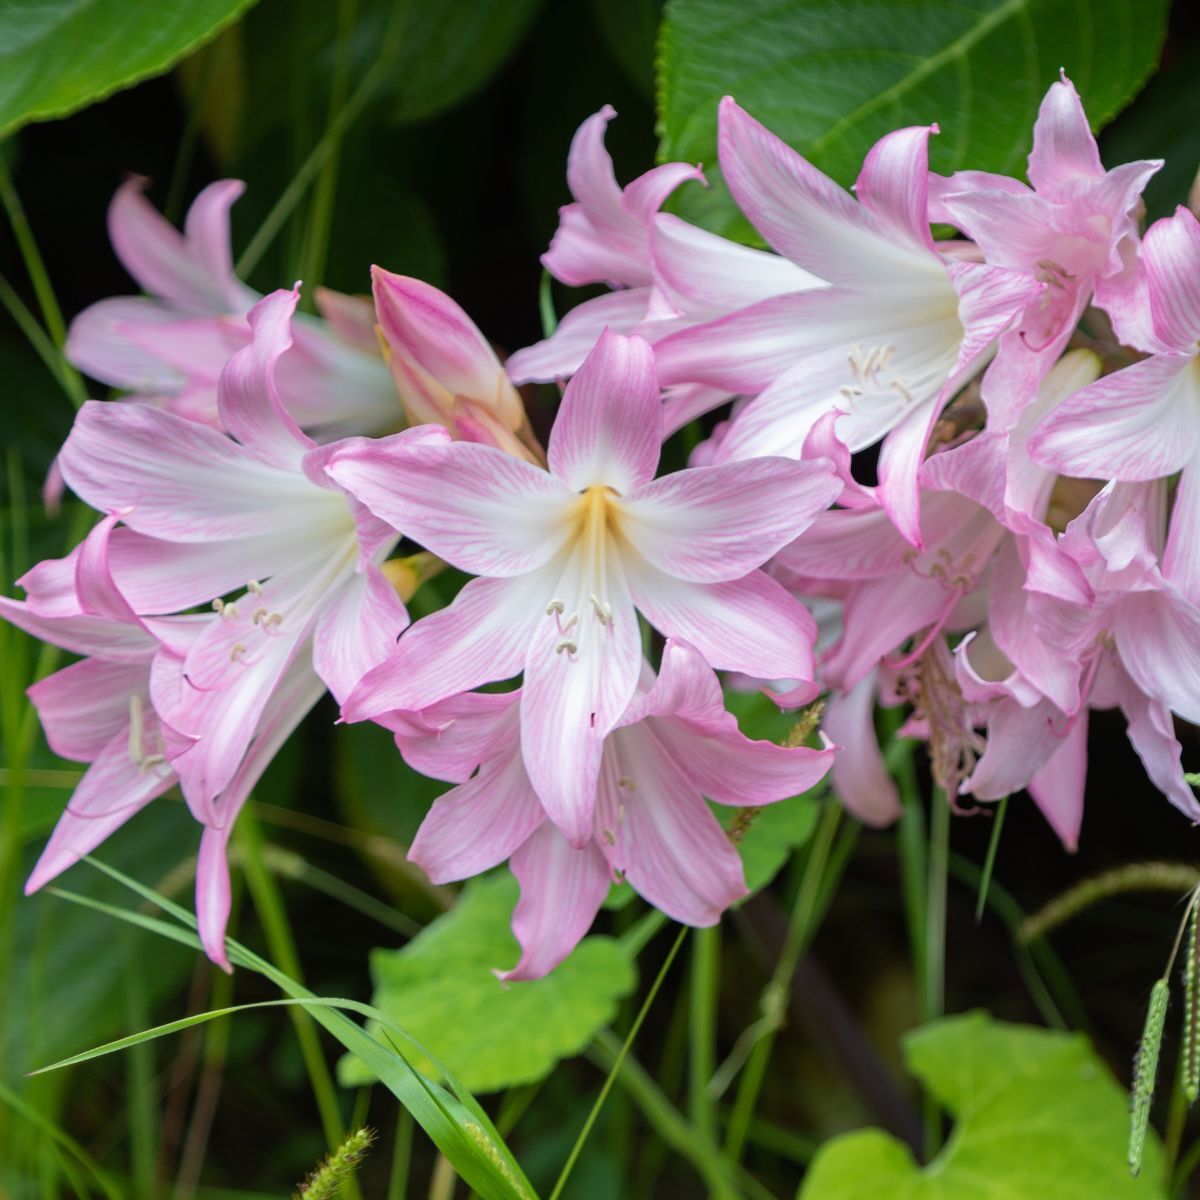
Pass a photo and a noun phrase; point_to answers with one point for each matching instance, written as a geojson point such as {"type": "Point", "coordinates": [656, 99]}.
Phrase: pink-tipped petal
{"type": "Point", "coordinates": [480, 823]}
{"type": "Point", "coordinates": [609, 427]}
{"type": "Point", "coordinates": [84, 706]}
{"type": "Point", "coordinates": [248, 399]}
{"type": "Point", "coordinates": [710, 524]}
{"type": "Point", "coordinates": [894, 184]}
{"type": "Point", "coordinates": [1136, 424]}
{"type": "Point", "coordinates": [213, 900]}
{"type": "Point", "coordinates": [1171, 252]}
{"type": "Point", "coordinates": [860, 777]}
{"type": "Point", "coordinates": [481, 637]}
{"type": "Point", "coordinates": [1057, 787]}
{"type": "Point", "coordinates": [450, 739]}
{"type": "Point", "coordinates": [475, 506]}
{"type": "Point", "coordinates": [1064, 150]}
{"type": "Point", "coordinates": [561, 891]}
{"type": "Point", "coordinates": [750, 625]}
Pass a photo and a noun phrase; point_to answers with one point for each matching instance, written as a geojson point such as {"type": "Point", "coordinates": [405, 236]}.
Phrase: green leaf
{"type": "Point", "coordinates": [1037, 1114]}
{"type": "Point", "coordinates": [58, 55]}
{"type": "Point", "coordinates": [442, 990]}
{"type": "Point", "coordinates": [830, 77]}
{"type": "Point", "coordinates": [451, 49]}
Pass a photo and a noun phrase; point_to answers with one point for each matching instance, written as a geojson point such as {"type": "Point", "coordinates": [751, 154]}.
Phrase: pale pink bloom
{"type": "Point", "coordinates": [904, 325]}
{"type": "Point", "coordinates": [205, 516]}
{"type": "Point", "coordinates": [602, 237]}
{"type": "Point", "coordinates": [1143, 423]}
{"type": "Point", "coordinates": [100, 711]}
{"type": "Point", "coordinates": [1076, 229]}
{"type": "Point", "coordinates": [674, 746]}
{"type": "Point", "coordinates": [569, 556]}
{"type": "Point", "coordinates": [444, 369]}
{"type": "Point", "coordinates": [169, 346]}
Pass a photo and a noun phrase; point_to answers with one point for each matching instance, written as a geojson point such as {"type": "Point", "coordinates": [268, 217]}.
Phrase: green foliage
{"type": "Point", "coordinates": [442, 989]}
{"type": "Point", "coordinates": [1036, 1112]}
{"type": "Point", "coordinates": [830, 77]}
{"type": "Point", "coordinates": [328, 1179]}
{"type": "Point", "coordinates": [58, 55]}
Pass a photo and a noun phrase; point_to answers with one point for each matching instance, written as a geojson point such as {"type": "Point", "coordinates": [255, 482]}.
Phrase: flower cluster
{"type": "Point", "coordinates": [961, 475]}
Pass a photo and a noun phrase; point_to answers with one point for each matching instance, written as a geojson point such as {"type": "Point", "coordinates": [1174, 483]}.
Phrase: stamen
{"type": "Point", "coordinates": [555, 606]}
{"type": "Point", "coordinates": [236, 649]}
{"type": "Point", "coordinates": [568, 647]}
{"type": "Point", "coordinates": [609, 836]}
{"type": "Point", "coordinates": [136, 729]}
{"type": "Point", "coordinates": [604, 612]}
{"type": "Point", "coordinates": [255, 587]}
{"type": "Point", "coordinates": [628, 784]}
{"type": "Point", "coordinates": [259, 613]}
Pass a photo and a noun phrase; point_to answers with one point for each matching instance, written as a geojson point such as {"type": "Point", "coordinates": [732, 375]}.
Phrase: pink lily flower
{"type": "Point", "coordinates": [904, 325]}
{"type": "Point", "coordinates": [204, 516]}
{"type": "Point", "coordinates": [1076, 229]}
{"type": "Point", "coordinates": [169, 346]}
{"type": "Point", "coordinates": [444, 369]}
{"type": "Point", "coordinates": [1143, 423]}
{"type": "Point", "coordinates": [602, 237]}
{"type": "Point", "coordinates": [569, 556]}
{"type": "Point", "coordinates": [673, 746]}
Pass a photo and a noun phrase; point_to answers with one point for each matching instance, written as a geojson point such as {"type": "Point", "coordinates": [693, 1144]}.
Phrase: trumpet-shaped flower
{"type": "Point", "coordinates": [569, 556]}
{"type": "Point", "coordinates": [1076, 229]}
{"type": "Point", "coordinates": [170, 346]}
{"type": "Point", "coordinates": [206, 516]}
{"type": "Point", "coordinates": [904, 325]}
{"type": "Point", "coordinates": [673, 746]}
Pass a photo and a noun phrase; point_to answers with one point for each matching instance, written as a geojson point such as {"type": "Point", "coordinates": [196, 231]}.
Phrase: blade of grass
{"type": "Point", "coordinates": [702, 1021]}
{"type": "Point", "coordinates": [453, 1119]}
{"type": "Point", "coordinates": [569, 1165]}
{"type": "Point", "coordinates": [989, 861]}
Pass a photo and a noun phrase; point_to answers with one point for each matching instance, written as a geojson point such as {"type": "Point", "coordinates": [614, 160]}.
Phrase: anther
{"type": "Point", "coordinates": [603, 611]}
{"type": "Point", "coordinates": [259, 613]}
{"type": "Point", "coordinates": [567, 646]}
{"type": "Point", "coordinates": [235, 650]}
{"type": "Point", "coordinates": [555, 606]}
{"type": "Point", "coordinates": [255, 587]}
{"type": "Point", "coordinates": [627, 783]}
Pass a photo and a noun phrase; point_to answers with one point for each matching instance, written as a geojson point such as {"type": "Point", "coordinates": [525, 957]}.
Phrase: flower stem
{"type": "Point", "coordinates": [933, 990]}
{"type": "Point", "coordinates": [618, 1060]}
{"type": "Point", "coordinates": [268, 903]}
{"type": "Point", "coordinates": [702, 1035]}
{"type": "Point", "coordinates": [801, 928]}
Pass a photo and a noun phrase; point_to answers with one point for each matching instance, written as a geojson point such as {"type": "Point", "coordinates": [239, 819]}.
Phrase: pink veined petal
{"type": "Point", "coordinates": [357, 631]}
{"type": "Point", "coordinates": [213, 899]}
{"type": "Point", "coordinates": [845, 544]}
{"type": "Point", "coordinates": [703, 274]}
{"type": "Point", "coordinates": [860, 777]}
{"type": "Point", "coordinates": [560, 355]}
{"type": "Point", "coordinates": [352, 318]}
{"type": "Point", "coordinates": [83, 706]}
{"type": "Point", "coordinates": [191, 272]}
{"type": "Point", "coordinates": [1138, 423]}
{"type": "Point", "coordinates": [1020, 741]}
{"type": "Point", "coordinates": [609, 427]}
{"type": "Point", "coordinates": [750, 625]}
{"type": "Point", "coordinates": [195, 348]}
{"type": "Point", "coordinates": [900, 461]}
{"type": "Point", "coordinates": [179, 480]}
{"type": "Point", "coordinates": [1158, 640]}
{"type": "Point", "coordinates": [804, 214]}
{"type": "Point", "coordinates": [113, 789]}
{"type": "Point", "coordinates": [683, 404]}
{"type": "Point", "coordinates": [485, 511]}
{"type": "Point", "coordinates": [1171, 252]}
{"type": "Point", "coordinates": [480, 823]}
{"type": "Point", "coordinates": [1181, 558]}
{"type": "Point", "coordinates": [990, 299]}
{"type": "Point", "coordinates": [95, 587]}
{"type": "Point", "coordinates": [561, 891]}
{"type": "Point", "coordinates": [247, 397]}
{"type": "Point", "coordinates": [579, 680]}
{"type": "Point", "coordinates": [450, 739]}
{"type": "Point", "coordinates": [99, 346]}
{"type": "Point", "coordinates": [1064, 149]}
{"type": "Point", "coordinates": [1057, 787]}
{"type": "Point", "coordinates": [81, 633]}
{"type": "Point", "coordinates": [424, 325]}
{"type": "Point", "coordinates": [481, 637]}
{"type": "Point", "coordinates": [709, 524]}
{"type": "Point", "coordinates": [1152, 733]}
{"type": "Point", "coordinates": [894, 184]}
{"type": "Point", "coordinates": [654, 827]}
{"type": "Point", "coordinates": [647, 193]}
{"type": "Point", "coordinates": [942, 187]}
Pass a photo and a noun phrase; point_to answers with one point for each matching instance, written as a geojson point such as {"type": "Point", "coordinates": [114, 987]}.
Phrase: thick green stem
{"type": "Point", "coordinates": [933, 967]}
{"type": "Point", "coordinates": [702, 1034]}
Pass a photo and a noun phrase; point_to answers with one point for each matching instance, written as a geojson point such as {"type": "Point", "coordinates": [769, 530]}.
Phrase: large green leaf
{"type": "Point", "coordinates": [1036, 1114]}
{"type": "Point", "coordinates": [832, 76]}
{"type": "Point", "coordinates": [58, 55]}
{"type": "Point", "coordinates": [442, 990]}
